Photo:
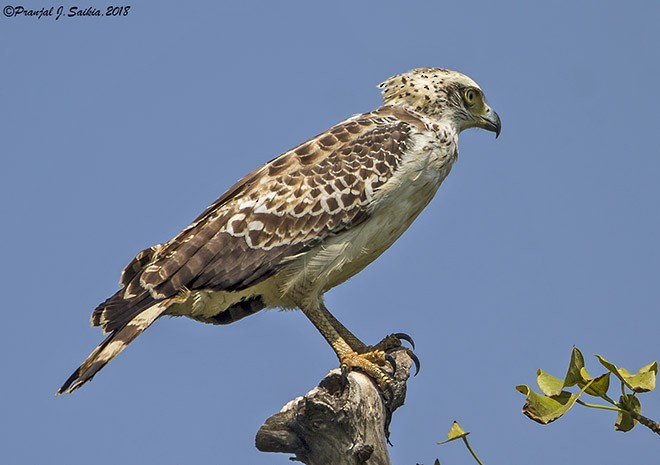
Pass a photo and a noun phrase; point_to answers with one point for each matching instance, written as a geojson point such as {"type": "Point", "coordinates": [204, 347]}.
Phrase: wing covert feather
{"type": "Point", "coordinates": [287, 206]}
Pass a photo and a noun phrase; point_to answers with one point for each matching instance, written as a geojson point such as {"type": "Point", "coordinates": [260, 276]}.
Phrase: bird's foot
{"type": "Point", "coordinates": [372, 360]}
{"type": "Point", "coordinates": [370, 363]}
{"type": "Point", "coordinates": [392, 343]}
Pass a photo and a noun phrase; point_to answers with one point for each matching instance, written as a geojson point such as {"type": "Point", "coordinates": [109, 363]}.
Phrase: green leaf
{"type": "Point", "coordinates": [599, 385]}
{"type": "Point", "coordinates": [543, 409]}
{"type": "Point", "coordinates": [549, 385]}
{"type": "Point", "coordinates": [553, 386]}
{"type": "Point", "coordinates": [455, 432]}
{"type": "Point", "coordinates": [576, 364]}
{"type": "Point", "coordinates": [642, 381]}
{"type": "Point", "coordinates": [624, 421]}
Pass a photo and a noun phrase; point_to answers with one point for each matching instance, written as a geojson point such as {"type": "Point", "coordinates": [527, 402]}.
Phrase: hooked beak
{"type": "Point", "coordinates": [491, 122]}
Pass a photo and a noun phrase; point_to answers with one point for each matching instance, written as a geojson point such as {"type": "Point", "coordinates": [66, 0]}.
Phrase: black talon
{"type": "Point", "coordinates": [344, 378]}
{"type": "Point", "coordinates": [405, 337]}
{"type": "Point", "coordinates": [390, 359]}
{"type": "Point", "coordinates": [387, 393]}
{"type": "Point", "coordinates": [412, 355]}
{"type": "Point", "coordinates": [388, 420]}
{"type": "Point", "coordinates": [415, 361]}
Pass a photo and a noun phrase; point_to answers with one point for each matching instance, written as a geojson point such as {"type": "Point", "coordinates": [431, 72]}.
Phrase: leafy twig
{"type": "Point", "coordinates": [556, 400]}
{"type": "Point", "coordinates": [456, 432]}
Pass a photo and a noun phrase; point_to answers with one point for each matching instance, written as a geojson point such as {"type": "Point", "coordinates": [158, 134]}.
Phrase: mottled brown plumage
{"type": "Point", "coordinates": [302, 223]}
{"type": "Point", "coordinates": [289, 205]}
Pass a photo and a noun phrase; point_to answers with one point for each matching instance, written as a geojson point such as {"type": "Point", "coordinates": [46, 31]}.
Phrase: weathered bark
{"type": "Point", "coordinates": [337, 423]}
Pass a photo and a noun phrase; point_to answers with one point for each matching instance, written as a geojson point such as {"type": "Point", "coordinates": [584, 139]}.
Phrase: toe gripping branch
{"type": "Point", "coordinates": [373, 361]}
{"type": "Point", "coordinates": [395, 350]}
{"type": "Point", "coordinates": [399, 346]}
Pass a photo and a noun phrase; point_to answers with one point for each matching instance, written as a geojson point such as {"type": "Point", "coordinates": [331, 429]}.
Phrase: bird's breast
{"type": "Point", "coordinates": [395, 206]}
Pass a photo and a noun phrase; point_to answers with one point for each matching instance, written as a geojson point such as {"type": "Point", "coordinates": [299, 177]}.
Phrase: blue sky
{"type": "Point", "coordinates": [117, 132]}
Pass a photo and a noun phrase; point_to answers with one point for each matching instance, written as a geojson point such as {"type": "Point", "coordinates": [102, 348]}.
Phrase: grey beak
{"type": "Point", "coordinates": [493, 123]}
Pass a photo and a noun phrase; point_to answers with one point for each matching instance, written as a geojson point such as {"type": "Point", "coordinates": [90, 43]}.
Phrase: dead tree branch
{"type": "Point", "coordinates": [337, 423]}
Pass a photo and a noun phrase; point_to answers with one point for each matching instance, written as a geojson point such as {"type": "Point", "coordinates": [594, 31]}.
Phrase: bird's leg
{"type": "Point", "coordinates": [350, 338]}
{"type": "Point", "coordinates": [387, 344]}
{"type": "Point", "coordinates": [369, 362]}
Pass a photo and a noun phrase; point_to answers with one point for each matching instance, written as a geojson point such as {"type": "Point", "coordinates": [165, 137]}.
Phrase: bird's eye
{"type": "Point", "coordinates": [470, 96]}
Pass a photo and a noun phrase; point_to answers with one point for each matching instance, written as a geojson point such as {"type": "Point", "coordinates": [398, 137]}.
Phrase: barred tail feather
{"type": "Point", "coordinates": [112, 346]}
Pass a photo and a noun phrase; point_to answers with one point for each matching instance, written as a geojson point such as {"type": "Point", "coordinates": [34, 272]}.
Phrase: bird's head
{"type": "Point", "coordinates": [443, 95]}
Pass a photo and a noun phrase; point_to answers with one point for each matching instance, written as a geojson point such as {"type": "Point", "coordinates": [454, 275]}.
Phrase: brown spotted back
{"type": "Point", "coordinates": [285, 207]}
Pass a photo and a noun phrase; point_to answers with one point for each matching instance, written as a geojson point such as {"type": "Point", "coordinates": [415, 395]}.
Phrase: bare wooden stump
{"type": "Point", "coordinates": [337, 423]}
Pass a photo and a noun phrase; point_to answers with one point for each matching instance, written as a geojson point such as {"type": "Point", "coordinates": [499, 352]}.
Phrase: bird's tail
{"type": "Point", "coordinates": [116, 341]}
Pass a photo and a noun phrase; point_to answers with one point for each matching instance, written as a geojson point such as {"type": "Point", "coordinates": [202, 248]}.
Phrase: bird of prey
{"type": "Point", "coordinates": [303, 223]}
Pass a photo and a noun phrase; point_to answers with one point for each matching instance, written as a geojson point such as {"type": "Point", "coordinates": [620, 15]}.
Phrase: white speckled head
{"type": "Point", "coordinates": [441, 94]}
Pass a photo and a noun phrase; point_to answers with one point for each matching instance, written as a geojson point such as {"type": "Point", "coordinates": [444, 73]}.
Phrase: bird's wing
{"type": "Point", "coordinates": [287, 206]}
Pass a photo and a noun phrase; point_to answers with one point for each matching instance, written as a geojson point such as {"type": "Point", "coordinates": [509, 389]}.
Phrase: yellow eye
{"type": "Point", "coordinates": [470, 96]}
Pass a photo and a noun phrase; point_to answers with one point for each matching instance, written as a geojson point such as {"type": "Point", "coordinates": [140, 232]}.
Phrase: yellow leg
{"type": "Point", "coordinates": [367, 361]}
{"type": "Point", "coordinates": [355, 344]}
{"type": "Point", "coordinates": [388, 343]}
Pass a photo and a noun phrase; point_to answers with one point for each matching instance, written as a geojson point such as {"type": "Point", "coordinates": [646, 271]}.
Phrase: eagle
{"type": "Point", "coordinates": [303, 223]}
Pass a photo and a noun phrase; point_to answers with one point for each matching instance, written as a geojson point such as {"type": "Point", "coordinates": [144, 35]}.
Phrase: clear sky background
{"type": "Point", "coordinates": [117, 132]}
